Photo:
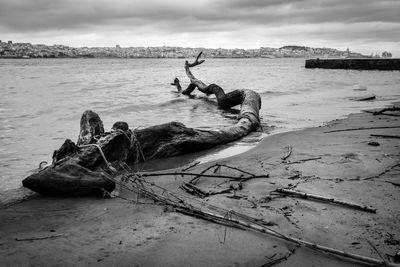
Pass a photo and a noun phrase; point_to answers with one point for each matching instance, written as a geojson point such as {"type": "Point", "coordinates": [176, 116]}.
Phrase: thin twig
{"type": "Point", "coordinates": [279, 260]}
{"type": "Point", "coordinates": [38, 238]}
{"type": "Point", "coordinates": [191, 166]}
{"type": "Point", "coordinates": [197, 177]}
{"type": "Point", "coordinates": [376, 250]}
{"type": "Point", "coordinates": [197, 61]}
{"type": "Point", "coordinates": [289, 147]}
{"type": "Point", "coordinates": [385, 136]}
{"type": "Point", "coordinates": [393, 183]}
{"type": "Point", "coordinates": [194, 190]}
{"type": "Point", "coordinates": [293, 193]}
{"type": "Point", "coordinates": [302, 160]}
{"type": "Point", "coordinates": [235, 168]}
{"type": "Point", "coordinates": [204, 175]}
{"type": "Point", "coordinates": [362, 128]}
{"type": "Point", "coordinates": [383, 172]}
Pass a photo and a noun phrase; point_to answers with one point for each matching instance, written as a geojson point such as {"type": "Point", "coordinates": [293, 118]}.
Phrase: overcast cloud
{"type": "Point", "coordinates": [362, 25]}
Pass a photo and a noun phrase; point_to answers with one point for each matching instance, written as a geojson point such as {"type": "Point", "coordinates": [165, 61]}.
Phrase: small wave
{"type": "Point", "coordinates": [173, 102]}
{"type": "Point", "coordinates": [274, 93]}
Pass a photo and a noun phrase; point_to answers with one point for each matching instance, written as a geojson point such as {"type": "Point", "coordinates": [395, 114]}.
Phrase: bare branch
{"type": "Point", "coordinates": [196, 62]}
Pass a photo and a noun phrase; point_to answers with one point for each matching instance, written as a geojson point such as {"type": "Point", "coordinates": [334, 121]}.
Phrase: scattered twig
{"type": "Point", "coordinates": [216, 168]}
{"type": "Point", "coordinates": [238, 223]}
{"type": "Point", "coordinates": [243, 221]}
{"type": "Point", "coordinates": [279, 260]}
{"type": "Point", "coordinates": [393, 183]}
{"type": "Point", "coordinates": [362, 128]}
{"type": "Point", "coordinates": [194, 190]}
{"type": "Point", "coordinates": [303, 160]}
{"type": "Point", "coordinates": [385, 136]}
{"type": "Point", "coordinates": [204, 175]}
{"type": "Point", "coordinates": [289, 147]}
{"type": "Point", "coordinates": [197, 177]}
{"type": "Point", "coordinates": [234, 168]}
{"type": "Point", "coordinates": [376, 250]}
{"type": "Point", "coordinates": [38, 238]}
{"type": "Point", "coordinates": [191, 166]}
{"type": "Point", "coordinates": [322, 198]}
{"type": "Point", "coordinates": [254, 205]}
{"type": "Point", "coordinates": [294, 177]}
{"type": "Point", "coordinates": [382, 173]}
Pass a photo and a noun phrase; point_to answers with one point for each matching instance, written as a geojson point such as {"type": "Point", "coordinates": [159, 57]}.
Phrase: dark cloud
{"type": "Point", "coordinates": [51, 14]}
{"type": "Point", "coordinates": [329, 19]}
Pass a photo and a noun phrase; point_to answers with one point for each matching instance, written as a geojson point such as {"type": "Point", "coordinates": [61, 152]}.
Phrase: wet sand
{"type": "Point", "coordinates": [343, 165]}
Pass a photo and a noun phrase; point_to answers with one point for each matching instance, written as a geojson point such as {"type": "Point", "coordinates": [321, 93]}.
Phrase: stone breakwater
{"type": "Point", "coordinates": [356, 63]}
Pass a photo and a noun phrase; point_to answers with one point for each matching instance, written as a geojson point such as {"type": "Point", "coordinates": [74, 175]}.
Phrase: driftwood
{"type": "Point", "coordinates": [293, 193]}
{"type": "Point", "coordinates": [84, 168]}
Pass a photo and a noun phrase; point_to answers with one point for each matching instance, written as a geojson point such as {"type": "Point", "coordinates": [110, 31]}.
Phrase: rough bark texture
{"type": "Point", "coordinates": [85, 168]}
{"type": "Point", "coordinates": [91, 127]}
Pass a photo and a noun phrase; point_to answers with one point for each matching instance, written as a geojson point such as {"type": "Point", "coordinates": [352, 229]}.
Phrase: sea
{"type": "Point", "coordinates": [42, 100]}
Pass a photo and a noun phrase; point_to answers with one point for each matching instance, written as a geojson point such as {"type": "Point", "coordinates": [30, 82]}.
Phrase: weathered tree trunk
{"type": "Point", "coordinates": [84, 168]}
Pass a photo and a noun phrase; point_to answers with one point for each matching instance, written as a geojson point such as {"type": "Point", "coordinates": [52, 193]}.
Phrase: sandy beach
{"type": "Point", "coordinates": [340, 160]}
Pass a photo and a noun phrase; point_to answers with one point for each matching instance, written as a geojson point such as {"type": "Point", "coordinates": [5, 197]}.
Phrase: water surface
{"type": "Point", "coordinates": [41, 100]}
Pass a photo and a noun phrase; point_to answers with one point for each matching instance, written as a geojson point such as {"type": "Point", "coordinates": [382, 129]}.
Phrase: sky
{"type": "Point", "coordinates": [366, 26]}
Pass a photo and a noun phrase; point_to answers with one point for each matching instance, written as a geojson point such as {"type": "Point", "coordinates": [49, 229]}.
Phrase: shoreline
{"type": "Point", "coordinates": [345, 166]}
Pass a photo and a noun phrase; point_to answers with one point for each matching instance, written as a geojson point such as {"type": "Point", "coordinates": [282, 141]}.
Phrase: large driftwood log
{"type": "Point", "coordinates": [84, 168]}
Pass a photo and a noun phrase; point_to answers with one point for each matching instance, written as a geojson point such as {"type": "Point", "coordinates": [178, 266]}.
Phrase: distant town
{"type": "Point", "coordinates": [26, 50]}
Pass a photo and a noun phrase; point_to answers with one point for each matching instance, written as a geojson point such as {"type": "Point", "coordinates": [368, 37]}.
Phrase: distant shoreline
{"type": "Point", "coordinates": [28, 50]}
{"type": "Point", "coordinates": [114, 57]}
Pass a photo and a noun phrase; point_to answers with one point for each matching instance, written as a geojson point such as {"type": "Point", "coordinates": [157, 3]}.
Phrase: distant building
{"type": "Point", "coordinates": [9, 42]}
{"type": "Point", "coordinates": [118, 46]}
{"type": "Point", "coordinates": [386, 54]}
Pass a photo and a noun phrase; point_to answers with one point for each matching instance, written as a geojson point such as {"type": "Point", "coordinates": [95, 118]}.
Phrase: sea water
{"type": "Point", "coordinates": [41, 100]}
